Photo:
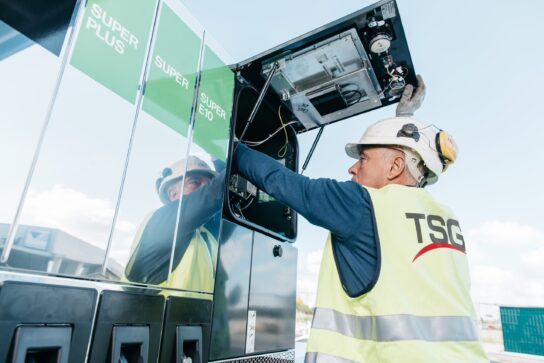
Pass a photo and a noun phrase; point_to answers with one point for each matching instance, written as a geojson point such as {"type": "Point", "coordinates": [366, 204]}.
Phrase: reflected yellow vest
{"type": "Point", "coordinates": [419, 310]}
{"type": "Point", "coordinates": [196, 270]}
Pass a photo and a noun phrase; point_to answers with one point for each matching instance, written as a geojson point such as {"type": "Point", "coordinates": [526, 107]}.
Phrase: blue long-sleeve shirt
{"type": "Point", "coordinates": [344, 208]}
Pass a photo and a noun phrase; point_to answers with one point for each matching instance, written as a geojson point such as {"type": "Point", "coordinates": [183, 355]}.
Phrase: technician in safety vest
{"type": "Point", "coordinates": [195, 252]}
{"type": "Point", "coordinates": [394, 280]}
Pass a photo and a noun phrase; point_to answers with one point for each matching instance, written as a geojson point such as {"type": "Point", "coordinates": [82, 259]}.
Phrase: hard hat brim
{"type": "Point", "coordinates": [206, 172]}
{"type": "Point", "coordinates": [353, 150]}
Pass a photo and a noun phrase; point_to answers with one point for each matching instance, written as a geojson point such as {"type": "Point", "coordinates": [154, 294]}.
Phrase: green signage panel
{"type": "Point", "coordinates": [170, 85]}
{"type": "Point", "coordinates": [214, 106]}
{"type": "Point", "coordinates": [112, 43]}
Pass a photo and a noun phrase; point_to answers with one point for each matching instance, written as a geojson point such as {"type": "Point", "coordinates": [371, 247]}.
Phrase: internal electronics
{"type": "Point", "coordinates": [271, 133]}
{"type": "Point", "coordinates": [356, 64]}
{"type": "Point", "coordinates": [353, 65]}
{"type": "Point", "coordinates": [327, 80]}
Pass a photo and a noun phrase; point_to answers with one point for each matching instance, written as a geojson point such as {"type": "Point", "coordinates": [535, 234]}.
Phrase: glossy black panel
{"type": "Point", "coordinates": [184, 311]}
{"type": "Point", "coordinates": [273, 293]}
{"type": "Point", "coordinates": [123, 308]}
{"type": "Point", "coordinates": [231, 292]}
{"type": "Point", "coordinates": [30, 304]}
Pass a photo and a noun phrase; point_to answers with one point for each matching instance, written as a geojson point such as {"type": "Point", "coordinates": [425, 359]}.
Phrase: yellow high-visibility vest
{"type": "Point", "coordinates": [420, 309]}
{"type": "Point", "coordinates": [196, 270]}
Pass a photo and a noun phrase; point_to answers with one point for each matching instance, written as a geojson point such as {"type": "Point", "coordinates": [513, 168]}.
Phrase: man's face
{"type": "Point", "coordinates": [373, 167]}
{"type": "Point", "coordinates": [186, 185]}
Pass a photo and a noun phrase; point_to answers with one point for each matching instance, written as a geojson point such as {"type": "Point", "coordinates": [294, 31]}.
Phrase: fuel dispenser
{"type": "Point", "coordinates": [100, 261]}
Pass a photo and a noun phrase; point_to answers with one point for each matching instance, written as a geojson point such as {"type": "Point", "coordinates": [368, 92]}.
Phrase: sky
{"type": "Point", "coordinates": [480, 62]}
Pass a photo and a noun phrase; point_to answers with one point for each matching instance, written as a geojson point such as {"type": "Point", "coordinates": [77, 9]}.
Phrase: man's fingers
{"type": "Point", "coordinates": [420, 81]}
{"type": "Point", "coordinates": [407, 94]}
{"type": "Point", "coordinates": [420, 90]}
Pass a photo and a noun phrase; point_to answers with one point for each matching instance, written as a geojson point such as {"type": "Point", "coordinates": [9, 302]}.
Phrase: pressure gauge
{"type": "Point", "coordinates": [380, 43]}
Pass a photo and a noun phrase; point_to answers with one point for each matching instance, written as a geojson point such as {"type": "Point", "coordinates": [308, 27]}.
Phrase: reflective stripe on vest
{"type": "Point", "coordinates": [314, 357]}
{"type": "Point", "coordinates": [387, 328]}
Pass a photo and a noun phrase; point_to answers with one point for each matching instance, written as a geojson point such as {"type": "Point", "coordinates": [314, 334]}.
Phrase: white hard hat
{"type": "Point", "coordinates": [435, 147]}
{"type": "Point", "coordinates": [190, 166]}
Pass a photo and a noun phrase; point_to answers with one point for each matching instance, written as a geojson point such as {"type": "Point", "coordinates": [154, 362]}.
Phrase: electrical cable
{"type": "Point", "coordinates": [397, 76]}
{"type": "Point", "coordinates": [236, 105]}
{"type": "Point", "coordinates": [401, 83]}
{"type": "Point", "coordinates": [349, 94]}
{"type": "Point", "coordinates": [234, 201]}
{"type": "Point", "coordinates": [249, 200]}
{"type": "Point", "coordinates": [355, 87]}
{"type": "Point", "coordinates": [283, 150]}
{"type": "Point", "coordinates": [239, 210]}
{"type": "Point", "coordinates": [382, 93]}
{"type": "Point", "coordinates": [260, 99]}
{"type": "Point", "coordinates": [260, 142]}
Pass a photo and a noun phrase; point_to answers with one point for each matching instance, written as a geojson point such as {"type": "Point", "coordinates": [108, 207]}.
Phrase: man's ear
{"type": "Point", "coordinates": [396, 167]}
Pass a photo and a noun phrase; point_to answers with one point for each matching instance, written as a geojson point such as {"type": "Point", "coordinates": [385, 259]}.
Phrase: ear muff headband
{"type": "Point", "coordinates": [447, 148]}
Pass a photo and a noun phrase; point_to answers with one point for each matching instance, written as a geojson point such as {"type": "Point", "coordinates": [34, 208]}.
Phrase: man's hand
{"type": "Point", "coordinates": [410, 101]}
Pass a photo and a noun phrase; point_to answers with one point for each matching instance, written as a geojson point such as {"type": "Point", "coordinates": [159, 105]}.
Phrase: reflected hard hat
{"type": "Point", "coordinates": [435, 147]}
{"type": "Point", "coordinates": [175, 172]}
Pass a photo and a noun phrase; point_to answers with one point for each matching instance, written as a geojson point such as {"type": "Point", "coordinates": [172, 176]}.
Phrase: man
{"type": "Point", "coordinates": [195, 251]}
{"type": "Point", "coordinates": [394, 283]}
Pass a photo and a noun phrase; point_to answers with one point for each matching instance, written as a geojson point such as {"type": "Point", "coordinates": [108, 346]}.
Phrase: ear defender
{"type": "Point", "coordinates": [165, 173]}
{"type": "Point", "coordinates": [447, 149]}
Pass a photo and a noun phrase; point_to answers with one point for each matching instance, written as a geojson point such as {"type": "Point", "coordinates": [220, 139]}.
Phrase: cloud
{"type": "Point", "coordinates": [308, 276]}
{"type": "Point", "coordinates": [313, 262]}
{"type": "Point", "coordinates": [506, 263]}
{"type": "Point", "coordinates": [307, 289]}
{"type": "Point", "coordinates": [74, 212]}
{"type": "Point", "coordinates": [506, 233]}
{"type": "Point", "coordinates": [491, 276]}
{"type": "Point", "coordinates": [534, 259]}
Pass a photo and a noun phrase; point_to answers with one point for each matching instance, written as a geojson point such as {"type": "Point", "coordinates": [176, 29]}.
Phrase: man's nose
{"type": "Point", "coordinates": [174, 194]}
{"type": "Point", "coordinates": [353, 169]}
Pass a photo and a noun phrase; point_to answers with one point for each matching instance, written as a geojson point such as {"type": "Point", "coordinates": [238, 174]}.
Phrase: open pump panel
{"type": "Point", "coordinates": [354, 65]}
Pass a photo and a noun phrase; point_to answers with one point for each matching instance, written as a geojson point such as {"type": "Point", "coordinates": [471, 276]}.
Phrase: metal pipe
{"type": "Point", "coordinates": [312, 149]}
{"type": "Point", "coordinates": [260, 98]}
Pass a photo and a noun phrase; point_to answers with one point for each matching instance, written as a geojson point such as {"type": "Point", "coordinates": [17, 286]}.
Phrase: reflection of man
{"type": "Point", "coordinates": [195, 251]}
{"type": "Point", "coordinates": [173, 182]}
{"type": "Point", "coordinates": [394, 281]}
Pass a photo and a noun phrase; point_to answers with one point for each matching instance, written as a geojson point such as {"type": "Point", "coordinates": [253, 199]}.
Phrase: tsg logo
{"type": "Point", "coordinates": [443, 233]}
